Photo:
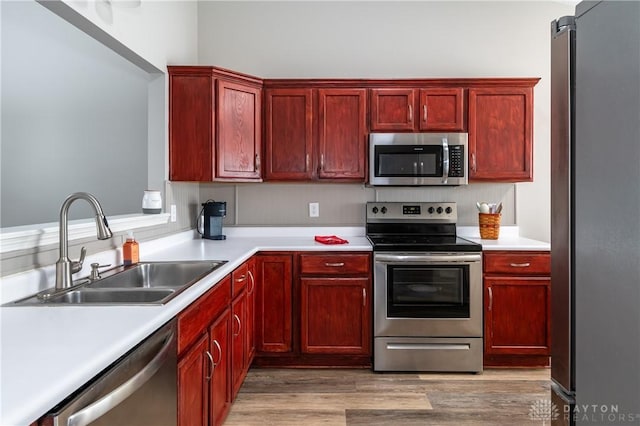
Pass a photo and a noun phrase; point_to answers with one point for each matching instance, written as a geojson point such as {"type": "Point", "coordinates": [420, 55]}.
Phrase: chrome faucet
{"type": "Point", "coordinates": [64, 266]}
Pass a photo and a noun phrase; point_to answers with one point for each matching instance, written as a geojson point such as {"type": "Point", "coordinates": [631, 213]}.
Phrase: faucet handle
{"type": "Point", "coordinates": [76, 265]}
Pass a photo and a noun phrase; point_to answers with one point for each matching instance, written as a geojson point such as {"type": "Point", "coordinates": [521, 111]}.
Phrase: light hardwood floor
{"type": "Point", "coordinates": [310, 397]}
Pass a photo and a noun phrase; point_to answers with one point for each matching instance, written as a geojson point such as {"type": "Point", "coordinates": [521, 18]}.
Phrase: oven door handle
{"type": "Point", "coordinates": [430, 258]}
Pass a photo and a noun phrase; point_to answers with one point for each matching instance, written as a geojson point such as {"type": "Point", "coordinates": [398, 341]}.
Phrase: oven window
{"type": "Point", "coordinates": [428, 291]}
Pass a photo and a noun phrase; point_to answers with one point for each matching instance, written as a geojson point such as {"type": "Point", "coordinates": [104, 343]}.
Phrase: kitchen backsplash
{"type": "Point", "coordinates": [278, 204]}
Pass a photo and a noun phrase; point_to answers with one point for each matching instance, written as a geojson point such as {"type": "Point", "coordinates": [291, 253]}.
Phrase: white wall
{"type": "Point", "coordinates": [162, 32]}
{"type": "Point", "coordinates": [396, 40]}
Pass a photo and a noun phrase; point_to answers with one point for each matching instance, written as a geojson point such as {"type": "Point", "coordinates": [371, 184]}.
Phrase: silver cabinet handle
{"type": "Point", "coordinates": [321, 162]}
{"type": "Point", "coordinates": [237, 318]}
{"type": "Point", "coordinates": [424, 113]}
{"type": "Point", "coordinates": [364, 297]}
{"type": "Point", "coordinates": [410, 113]}
{"type": "Point", "coordinates": [307, 160]}
{"type": "Point", "coordinates": [473, 161]}
{"type": "Point", "coordinates": [122, 392]}
{"type": "Point", "coordinates": [257, 163]}
{"type": "Point", "coordinates": [490, 298]}
{"type": "Point", "coordinates": [217, 345]}
{"type": "Point", "coordinates": [241, 279]}
{"type": "Point", "coordinates": [334, 265]}
{"type": "Point", "coordinates": [520, 265]}
{"type": "Point", "coordinates": [253, 282]}
{"type": "Point", "coordinates": [212, 365]}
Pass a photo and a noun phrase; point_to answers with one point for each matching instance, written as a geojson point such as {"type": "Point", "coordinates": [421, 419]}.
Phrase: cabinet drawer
{"type": "Point", "coordinates": [334, 264]}
{"type": "Point", "coordinates": [239, 278]}
{"type": "Point", "coordinates": [194, 320]}
{"type": "Point", "coordinates": [520, 263]}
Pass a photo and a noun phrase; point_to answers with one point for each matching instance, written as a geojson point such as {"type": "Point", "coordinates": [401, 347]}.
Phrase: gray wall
{"type": "Point", "coordinates": [389, 39]}
{"type": "Point", "coordinates": [281, 204]}
{"type": "Point", "coordinates": [74, 117]}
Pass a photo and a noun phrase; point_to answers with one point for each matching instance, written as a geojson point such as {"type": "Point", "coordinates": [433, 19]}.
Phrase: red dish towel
{"type": "Point", "coordinates": [330, 239]}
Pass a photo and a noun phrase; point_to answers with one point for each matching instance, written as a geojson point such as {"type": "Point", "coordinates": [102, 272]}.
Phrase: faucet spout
{"type": "Point", "coordinates": [64, 266]}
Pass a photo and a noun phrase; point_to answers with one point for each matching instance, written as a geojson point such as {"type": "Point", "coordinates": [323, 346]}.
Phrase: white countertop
{"type": "Point", "coordinates": [509, 239]}
{"type": "Point", "coordinates": [46, 353]}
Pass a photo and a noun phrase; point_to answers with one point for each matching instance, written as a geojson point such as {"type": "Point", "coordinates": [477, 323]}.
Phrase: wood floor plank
{"type": "Point", "coordinates": [343, 397]}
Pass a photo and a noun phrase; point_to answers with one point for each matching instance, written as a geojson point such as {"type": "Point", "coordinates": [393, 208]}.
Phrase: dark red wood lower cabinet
{"type": "Point", "coordinates": [335, 316]}
{"type": "Point", "coordinates": [193, 386]}
{"type": "Point", "coordinates": [220, 397]}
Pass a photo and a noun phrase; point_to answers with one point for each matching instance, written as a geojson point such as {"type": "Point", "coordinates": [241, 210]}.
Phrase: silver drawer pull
{"type": "Point", "coordinates": [241, 278]}
{"type": "Point", "coordinates": [334, 265]}
{"type": "Point", "coordinates": [521, 265]}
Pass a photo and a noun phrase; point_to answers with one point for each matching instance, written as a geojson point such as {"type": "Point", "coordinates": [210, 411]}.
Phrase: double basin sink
{"type": "Point", "coordinates": [145, 283]}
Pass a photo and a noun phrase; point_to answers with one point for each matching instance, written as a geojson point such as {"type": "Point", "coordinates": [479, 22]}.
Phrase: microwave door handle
{"type": "Point", "coordinates": [445, 160]}
{"type": "Point", "coordinates": [415, 168]}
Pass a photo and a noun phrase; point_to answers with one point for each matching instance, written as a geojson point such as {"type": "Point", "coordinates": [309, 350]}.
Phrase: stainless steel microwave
{"type": "Point", "coordinates": [418, 159]}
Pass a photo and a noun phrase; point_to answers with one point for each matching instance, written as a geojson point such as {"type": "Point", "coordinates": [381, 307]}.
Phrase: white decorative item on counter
{"type": "Point", "coordinates": [152, 202]}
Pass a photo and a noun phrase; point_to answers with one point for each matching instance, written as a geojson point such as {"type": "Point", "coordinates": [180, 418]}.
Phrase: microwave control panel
{"type": "Point", "coordinates": [456, 161]}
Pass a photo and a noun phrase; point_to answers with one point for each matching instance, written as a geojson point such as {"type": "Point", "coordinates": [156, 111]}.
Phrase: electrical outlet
{"type": "Point", "coordinates": [174, 213]}
{"type": "Point", "coordinates": [314, 209]}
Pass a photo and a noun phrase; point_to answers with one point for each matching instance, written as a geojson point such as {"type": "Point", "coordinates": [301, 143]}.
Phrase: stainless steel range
{"type": "Point", "coordinates": [427, 289]}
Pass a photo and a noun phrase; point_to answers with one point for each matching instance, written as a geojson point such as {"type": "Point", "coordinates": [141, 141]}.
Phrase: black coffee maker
{"type": "Point", "coordinates": [211, 217]}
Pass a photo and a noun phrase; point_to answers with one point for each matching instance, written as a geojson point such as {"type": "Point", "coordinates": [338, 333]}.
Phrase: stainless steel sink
{"type": "Point", "coordinates": [145, 283]}
{"type": "Point", "coordinates": [155, 275]}
{"type": "Point", "coordinates": [112, 296]}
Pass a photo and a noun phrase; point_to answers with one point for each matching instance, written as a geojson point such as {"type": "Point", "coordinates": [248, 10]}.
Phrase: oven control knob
{"type": "Point", "coordinates": [439, 210]}
{"type": "Point", "coordinates": [448, 210]}
{"type": "Point", "coordinates": [374, 210]}
{"type": "Point", "coordinates": [430, 210]}
{"type": "Point", "coordinates": [383, 210]}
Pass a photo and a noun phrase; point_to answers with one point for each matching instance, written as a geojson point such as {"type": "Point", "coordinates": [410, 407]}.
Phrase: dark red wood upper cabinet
{"type": "Point", "coordinates": [407, 109]}
{"type": "Point", "coordinates": [501, 134]}
{"type": "Point", "coordinates": [392, 109]}
{"type": "Point", "coordinates": [191, 126]}
{"type": "Point", "coordinates": [215, 125]}
{"type": "Point", "coordinates": [342, 133]}
{"type": "Point", "coordinates": [441, 109]}
{"type": "Point", "coordinates": [288, 134]}
{"type": "Point", "coordinates": [238, 145]}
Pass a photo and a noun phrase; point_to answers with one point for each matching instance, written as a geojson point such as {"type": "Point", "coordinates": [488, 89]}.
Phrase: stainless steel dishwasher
{"type": "Point", "coordinates": [139, 389]}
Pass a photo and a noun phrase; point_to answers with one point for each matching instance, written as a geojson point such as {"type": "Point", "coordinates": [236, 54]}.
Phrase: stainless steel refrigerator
{"type": "Point", "coordinates": [595, 215]}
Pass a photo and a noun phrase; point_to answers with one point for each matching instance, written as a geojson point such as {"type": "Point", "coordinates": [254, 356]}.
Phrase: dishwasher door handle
{"type": "Point", "coordinates": [96, 410]}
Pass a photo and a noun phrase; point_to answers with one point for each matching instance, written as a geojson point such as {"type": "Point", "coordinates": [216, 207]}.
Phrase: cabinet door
{"type": "Point", "coordinates": [516, 317]}
{"type": "Point", "coordinates": [441, 109]}
{"type": "Point", "coordinates": [335, 316]}
{"type": "Point", "coordinates": [194, 369]}
{"type": "Point", "coordinates": [238, 341]}
{"type": "Point", "coordinates": [289, 134]}
{"type": "Point", "coordinates": [191, 127]}
{"type": "Point", "coordinates": [274, 304]}
{"type": "Point", "coordinates": [392, 109]}
{"type": "Point", "coordinates": [251, 313]}
{"type": "Point", "coordinates": [342, 136]}
{"type": "Point", "coordinates": [239, 130]}
{"type": "Point", "coordinates": [220, 400]}
{"type": "Point", "coordinates": [500, 134]}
